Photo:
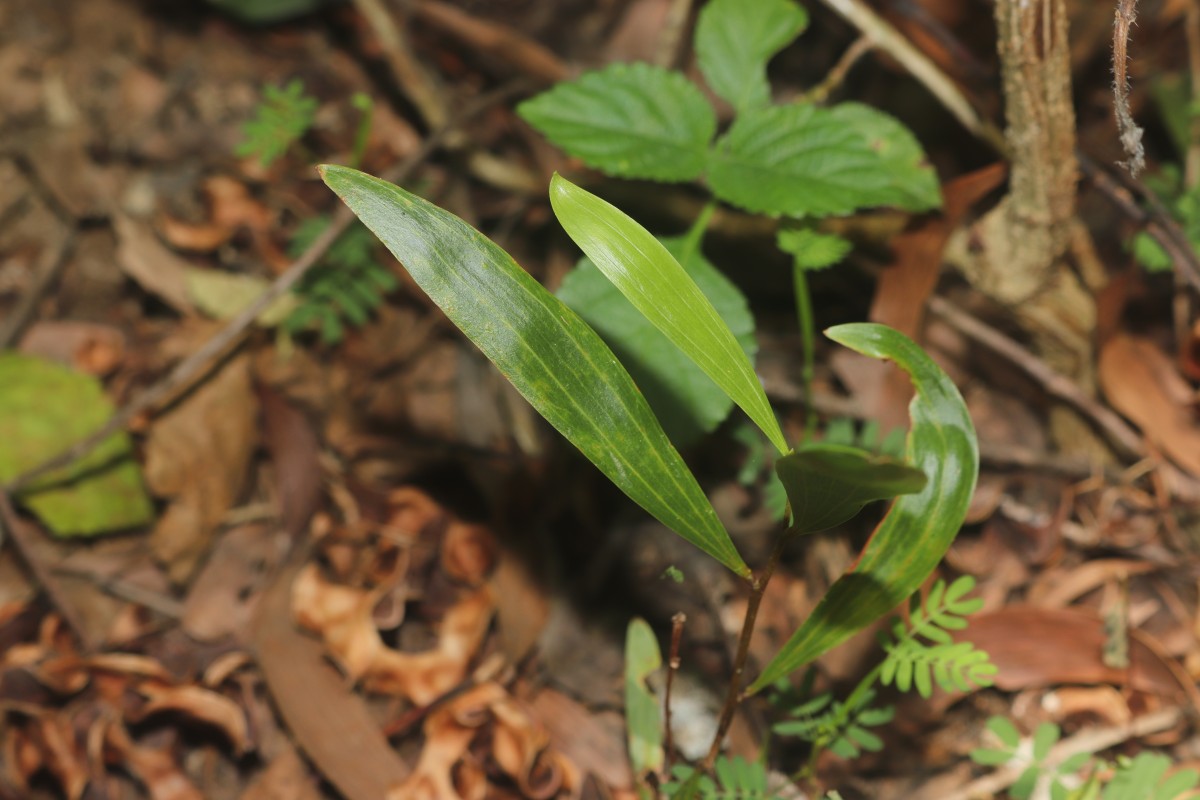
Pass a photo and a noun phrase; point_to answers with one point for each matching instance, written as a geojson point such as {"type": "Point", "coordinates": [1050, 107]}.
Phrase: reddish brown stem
{"type": "Point", "coordinates": [758, 587]}
{"type": "Point", "coordinates": [672, 667]}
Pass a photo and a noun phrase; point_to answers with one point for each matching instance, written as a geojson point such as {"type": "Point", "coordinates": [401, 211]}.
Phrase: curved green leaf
{"type": "Point", "coordinates": [559, 364]}
{"type": "Point", "coordinates": [652, 280]}
{"type": "Point", "coordinates": [686, 401]}
{"type": "Point", "coordinates": [828, 484]}
{"type": "Point", "coordinates": [802, 160]}
{"type": "Point", "coordinates": [629, 120]}
{"type": "Point", "coordinates": [735, 40]}
{"type": "Point", "coordinates": [643, 720]}
{"type": "Point", "coordinates": [919, 528]}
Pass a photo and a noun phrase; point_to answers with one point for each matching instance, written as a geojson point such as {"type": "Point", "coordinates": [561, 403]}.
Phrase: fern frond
{"type": "Point", "coordinates": [281, 119]}
{"type": "Point", "coordinates": [736, 779]}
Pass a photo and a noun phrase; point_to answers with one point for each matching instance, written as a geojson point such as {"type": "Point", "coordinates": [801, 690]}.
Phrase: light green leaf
{"type": "Point", "coordinates": [223, 295]}
{"type": "Point", "coordinates": [686, 400]}
{"type": "Point", "coordinates": [642, 718]}
{"type": "Point", "coordinates": [1004, 730]}
{"type": "Point", "coordinates": [559, 364]}
{"type": "Point", "coordinates": [44, 409]}
{"type": "Point", "coordinates": [629, 120]}
{"type": "Point", "coordinates": [657, 286]}
{"type": "Point", "coordinates": [734, 41]}
{"type": "Point", "coordinates": [918, 529]}
{"type": "Point", "coordinates": [828, 484]}
{"type": "Point", "coordinates": [803, 160]}
{"type": "Point", "coordinates": [812, 250]}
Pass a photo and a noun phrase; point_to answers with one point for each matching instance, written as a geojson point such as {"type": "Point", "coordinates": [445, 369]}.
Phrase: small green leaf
{"type": "Point", "coordinates": [918, 528]}
{"type": "Point", "coordinates": [1150, 254]}
{"type": "Point", "coordinates": [989, 757]}
{"type": "Point", "coordinates": [802, 160]}
{"type": "Point", "coordinates": [1004, 730]}
{"type": "Point", "coordinates": [642, 718]}
{"type": "Point", "coordinates": [657, 286]}
{"type": "Point", "coordinates": [1043, 739]}
{"type": "Point", "coordinates": [223, 295]}
{"type": "Point", "coordinates": [44, 409]}
{"type": "Point", "coordinates": [812, 250]}
{"type": "Point", "coordinates": [828, 484]}
{"type": "Point", "coordinates": [735, 40]}
{"type": "Point", "coordinates": [559, 364]}
{"type": "Point", "coordinates": [629, 120]}
{"type": "Point", "coordinates": [686, 400]}
{"type": "Point", "coordinates": [1024, 785]}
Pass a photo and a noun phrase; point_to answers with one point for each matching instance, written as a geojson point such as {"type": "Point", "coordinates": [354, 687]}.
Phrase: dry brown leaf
{"type": "Point", "coordinates": [446, 742]}
{"type": "Point", "coordinates": [342, 615]}
{"type": "Point", "coordinates": [1104, 702]}
{"type": "Point", "coordinates": [1058, 588]}
{"type": "Point", "coordinates": [59, 753]}
{"type": "Point", "coordinates": [285, 778]}
{"type": "Point", "coordinates": [156, 770]}
{"type": "Point", "coordinates": [593, 741]}
{"type": "Point", "coordinates": [200, 704]}
{"type": "Point", "coordinates": [86, 346]}
{"type": "Point", "coordinates": [231, 208]}
{"type": "Point", "coordinates": [1143, 384]}
{"type": "Point", "coordinates": [198, 454]}
{"type": "Point", "coordinates": [1040, 647]}
{"type": "Point", "coordinates": [155, 268]}
{"type": "Point", "coordinates": [220, 602]}
{"type": "Point", "coordinates": [469, 552]}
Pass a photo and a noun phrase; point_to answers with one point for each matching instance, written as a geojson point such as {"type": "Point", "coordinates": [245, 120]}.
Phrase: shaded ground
{"type": "Point", "coordinates": [469, 577]}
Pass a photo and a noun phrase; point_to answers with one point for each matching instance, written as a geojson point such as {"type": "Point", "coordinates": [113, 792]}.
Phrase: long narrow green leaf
{"type": "Point", "coordinates": [552, 357]}
{"type": "Point", "coordinates": [919, 528]}
{"type": "Point", "coordinates": [652, 280]}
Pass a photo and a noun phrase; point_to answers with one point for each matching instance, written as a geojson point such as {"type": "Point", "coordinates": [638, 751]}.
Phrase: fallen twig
{"type": "Point", "coordinates": [1055, 384]}
{"type": "Point", "coordinates": [1131, 133]}
{"type": "Point", "coordinates": [48, 270]}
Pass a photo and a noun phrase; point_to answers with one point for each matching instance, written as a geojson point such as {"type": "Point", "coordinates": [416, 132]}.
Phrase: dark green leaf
{"type": "Point", "coordinates": [559, 364]}
{"type": "Point", "coordinates": [919, 528]}
{"type": "Point", "coordinates": [828, 484]}
{"type": "Point", "coordinates": [629, 120]}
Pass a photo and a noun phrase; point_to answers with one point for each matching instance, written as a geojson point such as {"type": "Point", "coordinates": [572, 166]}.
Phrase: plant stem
{"type": "Point", "coordinates": [672, 667]}
{"type": "Point", "coordinates": [808, 335]}
{"type": "Point", "coordinates": [695, 234]}
{"type": "Point", "coordinates": [758, 588]}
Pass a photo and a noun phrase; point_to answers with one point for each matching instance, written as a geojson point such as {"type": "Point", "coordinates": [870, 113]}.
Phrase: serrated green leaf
{"type": "Point", "coordinates": [801, 160]}
{"type": "Point", "coordinates": [44, 409]}
{"type": "Point", "coordinates": [686, 400]}
{"type": "Point", "coordinates": [629, 120]}
{"type": "Point", "coordinates": [813, 250]}
{"type": "Point", "coordinates": [643, 721]}
{"type": "Point", "coordinates": [735, 40]}
{"type": "Point", "coordinates": [828, 484]}
{"type": "Point", "coordinates": [657, 286]}
{"type": "Point", "coordinates": [559, 364]}
{"type": "Point", "coordinates": [918, 529]}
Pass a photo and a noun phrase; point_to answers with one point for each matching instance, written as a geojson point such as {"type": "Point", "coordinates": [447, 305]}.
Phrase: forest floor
{"type": "Point", "coordinates": [370, 570]}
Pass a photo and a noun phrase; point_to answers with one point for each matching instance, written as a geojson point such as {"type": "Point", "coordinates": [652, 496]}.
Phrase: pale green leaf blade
{"type": "Point", "coordinates": [919, 528]}
{"type": "Point", "coordinates": [685, 400]}
{"type": "Point", "coordinates": [801, 160]}
{"type": "Point", "coordinates": [643, 720]}
{"type": "Point", "coordinates": [44, 409]}
{"type": "Point", "coordinates": [559, 364]}
{"type": "Point", "coordinates": [828, 484]}
{"type": "Point", "coordinates": [654, 282]}
{"type": "Point", "coordinates": [629, 120]}
{"type": "Point", "coordinates": [734, 41]}
{"type": "Point", "coordinates": [223, 295]}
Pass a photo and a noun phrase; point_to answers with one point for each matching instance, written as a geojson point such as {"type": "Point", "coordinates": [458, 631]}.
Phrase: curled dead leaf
{"type": "Point", "coordinates": [342, 615]}
{"type": "Point", "coordinates": [200, 704]}
{"type": "Point", "coordinates": [155, 769]}
{"type": "Point", "coordinates": [469, 553]}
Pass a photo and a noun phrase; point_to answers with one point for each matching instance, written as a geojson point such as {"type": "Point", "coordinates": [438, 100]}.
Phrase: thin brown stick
{"type": "Point", "coordinates": [49, 269]}
{"type": "Point", "coordinates": [672, 667]}
{"type": "Point", "coordinates": [670, 40]}
{"type": "Point", "coordinates": [1055, 383]}
{"type": "Point", "coordinates": [414, 80]}
{"type": "Point", "coordinates": [757, 588]}
{"type": "Point", "coordinates": [1131, 133]}
{"type": "Point", "coordinates": [23, 537]}
{"type": "Point", "coordinates": [199, 362]}
{"type": "Point", "coordinates": [499, 41]}
{"type": "Point", "coordinates": [1122, 191]}
{"type": "Point", "coordinates": [920, 66]}
{"type": "Point", "coordinates": [837, 75]}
